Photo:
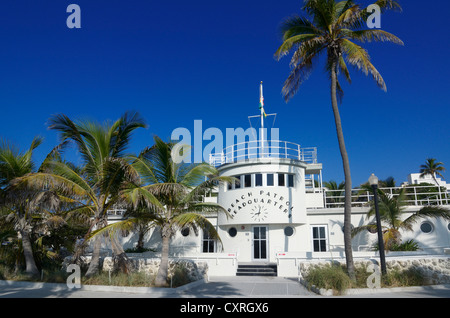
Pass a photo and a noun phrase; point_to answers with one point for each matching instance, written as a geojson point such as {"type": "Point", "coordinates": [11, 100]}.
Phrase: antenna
{"type": "Point", "coordinates": [262, 116]}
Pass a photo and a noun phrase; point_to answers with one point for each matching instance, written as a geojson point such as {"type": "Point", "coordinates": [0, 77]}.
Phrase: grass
{"type": "Point", "coordinates": [335, 277]}
{"type": "Point", "coordinates": [135, 279]}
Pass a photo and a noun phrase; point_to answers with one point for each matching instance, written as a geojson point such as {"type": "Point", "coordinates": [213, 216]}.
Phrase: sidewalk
{"type": "Point", "coordinates": [216, 287]}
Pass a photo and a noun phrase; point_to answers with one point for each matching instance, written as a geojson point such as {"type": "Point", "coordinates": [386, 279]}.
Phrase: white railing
{"type": "Point", "coordinates": [268, 149]}
{"type": "Point", "coordinates": [116, 213]}
{"type": "Point", "coordinates": [414, 196]}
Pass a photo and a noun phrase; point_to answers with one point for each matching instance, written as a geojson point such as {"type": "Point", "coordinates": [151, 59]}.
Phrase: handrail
{"type": "Point", "coordinates": [419, 196]}
{"type": "Point", "coordinates": [267, 149]}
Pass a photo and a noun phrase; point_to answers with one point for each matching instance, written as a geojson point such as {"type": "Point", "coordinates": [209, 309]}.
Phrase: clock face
{"type": "Point", "coordinates": [259, 213]}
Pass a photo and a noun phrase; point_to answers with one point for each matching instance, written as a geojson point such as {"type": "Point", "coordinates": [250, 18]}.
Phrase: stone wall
{"type": "Point", "coordinates": [436, 270]}
{"type": "Point", "coordinates": [195, 270]}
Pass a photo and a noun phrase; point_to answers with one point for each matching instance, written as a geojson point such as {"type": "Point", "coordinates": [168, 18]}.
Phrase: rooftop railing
{"type": "Point", "coordinates": [419, 195]}
{"type": "Point", "coordinates": [269, 149]}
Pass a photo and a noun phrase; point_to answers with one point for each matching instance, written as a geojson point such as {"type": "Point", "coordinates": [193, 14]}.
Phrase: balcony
{"type": "Point", "coordinates": [269, 149]}
{"type": "Point", "coordinates": [420, 195]}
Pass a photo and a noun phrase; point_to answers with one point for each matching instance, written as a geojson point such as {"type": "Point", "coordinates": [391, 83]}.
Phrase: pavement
{"type": "Point", "coordinates": [253, 287]}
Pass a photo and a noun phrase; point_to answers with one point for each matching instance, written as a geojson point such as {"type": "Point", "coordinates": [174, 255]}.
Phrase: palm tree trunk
{"type": "Point", "coordinates": [347, 176]}
{"type": "Point", "coordinates": [94, 264]}
{"type": "Point", "coordinates": [31, 268]}
{"type": "Point", "coordinates": [140, 243]}
{"type": "Point", "coordinates": [120, 257]}
{"type": "Point", "coordinates": [163, 271]}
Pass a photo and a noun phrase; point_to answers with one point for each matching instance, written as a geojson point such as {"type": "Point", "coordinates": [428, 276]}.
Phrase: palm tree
{"type": "Point", "coordinates": [96, 187]}
{"type": "Point", "coordinates": [172, 192]}
{"type": "Point", "coordinates": [433, 168]}
{"type": "Point", "coordinates": [336, 191]}
{"type": "Point", "coordinates": [330, 28]}
{"type": "Point", "coordinates": [19, 204]}
{"type": "Point", "coordinates": [391, 210]}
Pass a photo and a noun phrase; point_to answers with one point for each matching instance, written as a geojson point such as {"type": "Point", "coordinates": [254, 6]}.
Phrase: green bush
{"type": "Point", "coordinates": [329, 277]}
{"type": "Point", "coordinates": [397, 278]}
{"type": "Point", "coordinates": [135, 279]}
{"type": "Point", "coordinates": [409, 245]}
{"type": "Point", "coordinates": [139, 250]}
{"type": "Point", "coordinates": [180, 276]}
{"type": "Point", "coordinates": [335, 277]}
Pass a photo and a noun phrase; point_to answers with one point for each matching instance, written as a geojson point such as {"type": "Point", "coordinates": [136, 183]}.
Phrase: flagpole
{"type": "Point", "coordinates": [261, 106]}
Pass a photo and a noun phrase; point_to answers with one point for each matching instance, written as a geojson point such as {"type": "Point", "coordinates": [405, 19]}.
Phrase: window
{"type": "Point", "coordinates": [209, 244]}
{"type": "Point", "coordinates": [270, 179]}
{"type": "Point", "coordinates": [288, 231]}
{"type": "Point", "coordinates": [232, 231]}
{"type": "Point", "coordinates": [258, 180]}
{"type": "Point", "coordinates": [426, 227]}
{"type": "Point", "coordinates": [248, 180]}
{"type": "Point", "coordinates": [319, 238]}
{"type": "Point", "coordinates": [185, 231]}
{"type": "Point", "coordinates": [290, 180]}
{"type": "Point", "coordinates": [237, 183]}
{"type": "Point", "coordinates": [281, 180]}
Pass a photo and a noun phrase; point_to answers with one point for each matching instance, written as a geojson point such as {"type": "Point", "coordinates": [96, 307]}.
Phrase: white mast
{"type": "Point", "coordinates": [261, 107]}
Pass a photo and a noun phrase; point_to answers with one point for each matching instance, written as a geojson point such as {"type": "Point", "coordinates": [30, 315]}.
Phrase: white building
{"type": "Point", "coordinates": [415, 178]}
{"type": "Point", "coordinates": [282, 215]}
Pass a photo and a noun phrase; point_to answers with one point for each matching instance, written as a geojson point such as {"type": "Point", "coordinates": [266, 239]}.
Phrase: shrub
{"type": "Point", "coordinates": [329, 277]}
{"type": "Point", "coordinates": [408, 277]}
{"type": "Point", "coordinates": [180, 275]}
{"type": "Point", "coordinates": [409, 245]}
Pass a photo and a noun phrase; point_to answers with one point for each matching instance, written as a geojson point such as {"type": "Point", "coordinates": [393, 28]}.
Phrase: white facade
{"type": "Point", "coordinates": [415, 178]}
{"type": "Point", "coordinates": [280, 214]}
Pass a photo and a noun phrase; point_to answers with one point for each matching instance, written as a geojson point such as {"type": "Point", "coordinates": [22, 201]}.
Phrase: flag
{"type": "Point", "coordinates": [261, 100]}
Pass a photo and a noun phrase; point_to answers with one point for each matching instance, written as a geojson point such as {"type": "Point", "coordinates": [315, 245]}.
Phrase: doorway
{"type": "Point", "coordinates": [260, 243]}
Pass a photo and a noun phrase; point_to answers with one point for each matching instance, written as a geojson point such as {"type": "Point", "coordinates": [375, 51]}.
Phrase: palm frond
{"type": "Point", "coordinates": [358, 57]}
{"type": "Point", "coordinates": [372, 35]}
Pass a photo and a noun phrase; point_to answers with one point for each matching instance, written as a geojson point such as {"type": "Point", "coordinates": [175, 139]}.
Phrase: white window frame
{"type": "Point", "coordinates": [325, 226]}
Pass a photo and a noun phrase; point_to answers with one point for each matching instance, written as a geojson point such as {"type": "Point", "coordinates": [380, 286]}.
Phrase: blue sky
{"type": "Point", "coordinates": [178, 61]}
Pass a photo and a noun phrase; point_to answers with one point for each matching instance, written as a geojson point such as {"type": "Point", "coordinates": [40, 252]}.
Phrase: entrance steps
{"type": "Point", "coordinates": [256, 269]}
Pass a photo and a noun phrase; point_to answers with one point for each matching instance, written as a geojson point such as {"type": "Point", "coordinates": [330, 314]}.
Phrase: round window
{"type": "Point", "coordinates": [288, 231]}
{"type": "Point", "coordinates": [426, 227]}
{"type": "Point", "coordinates": [372, 228]}
{"type": "Point", "coordinates": [232, 232]}
{"type": "Point", "coordinates": [448, 226]}
{"type": "Point", "coordinates": [185, 231]}
{"type": "Point", "coordinates": [351, 228]}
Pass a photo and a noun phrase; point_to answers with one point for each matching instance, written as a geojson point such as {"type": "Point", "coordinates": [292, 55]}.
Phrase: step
{"type": "Point", "coordinates": [256, 270]}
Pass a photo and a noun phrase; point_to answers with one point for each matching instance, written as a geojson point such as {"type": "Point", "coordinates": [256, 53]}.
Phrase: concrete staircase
{"type": "Point", "coordinates": [255, 269]}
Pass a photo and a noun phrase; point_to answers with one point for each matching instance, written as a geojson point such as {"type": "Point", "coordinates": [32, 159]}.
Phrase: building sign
{"type": "Point", "coordinates": [258, 205]}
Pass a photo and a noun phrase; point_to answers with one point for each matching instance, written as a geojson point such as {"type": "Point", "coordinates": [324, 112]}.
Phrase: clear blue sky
{"type": "Point", "coordinates": [177, 61]}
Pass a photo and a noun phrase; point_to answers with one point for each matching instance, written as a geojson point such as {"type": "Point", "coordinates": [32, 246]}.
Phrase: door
{"type": "Point", "coordinates": [260, 243]}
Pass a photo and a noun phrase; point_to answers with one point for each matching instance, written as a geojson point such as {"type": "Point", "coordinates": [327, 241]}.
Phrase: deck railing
{"type": "Point", "coordinates": [414, 196]}
{"type": "Point", "coordinates": [267, 149]}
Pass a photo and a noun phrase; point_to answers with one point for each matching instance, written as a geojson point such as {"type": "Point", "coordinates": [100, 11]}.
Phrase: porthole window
{"type": "Point", "coordinates": [351, 228]}
{"type": "Point", "coordinates": [372, 229]}
{"type": "Point", "coordinates": [185, 232]}
{"type": "Point", "coordinates": [232, 232]}
{"type": "Point", "coordinates": [426, 227]}
{"type": "Point", "coordinates": [288, 231]}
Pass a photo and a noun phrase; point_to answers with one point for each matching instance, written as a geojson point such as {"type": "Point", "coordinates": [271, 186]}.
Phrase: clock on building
{"type": "Point", "coordinates": [259, 213]}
